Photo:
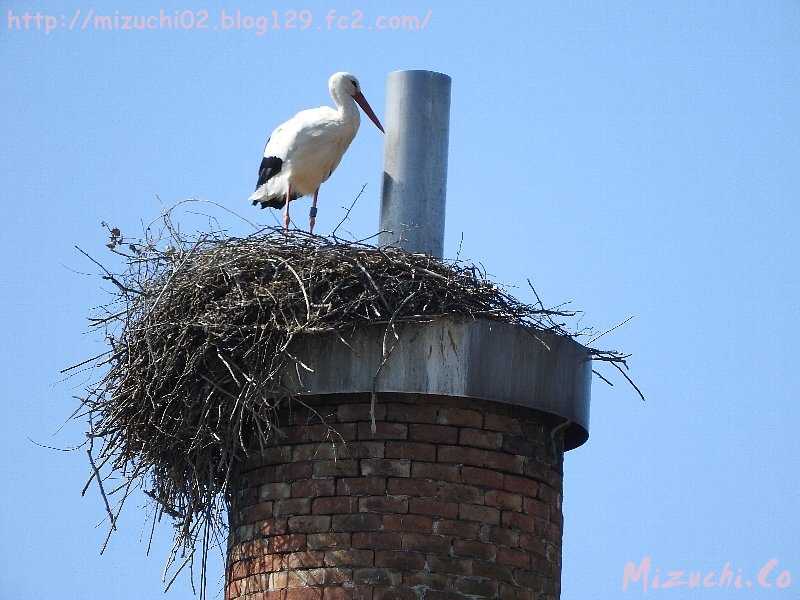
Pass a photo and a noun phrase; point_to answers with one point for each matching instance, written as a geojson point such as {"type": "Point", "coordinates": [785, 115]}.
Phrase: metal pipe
{"type": "Point", "coordinates": [415, 161]}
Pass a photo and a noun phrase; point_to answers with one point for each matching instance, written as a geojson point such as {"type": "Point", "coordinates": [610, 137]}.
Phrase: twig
{"type": "Point", "coordinates": [347, 213]}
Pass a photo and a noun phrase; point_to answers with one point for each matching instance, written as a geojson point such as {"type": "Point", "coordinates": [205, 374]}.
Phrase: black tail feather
{"type": "Point", "coordinates": [274, 201]}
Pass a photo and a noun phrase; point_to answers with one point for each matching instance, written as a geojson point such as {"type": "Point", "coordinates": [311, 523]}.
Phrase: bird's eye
{"type": "Point", "coordinates": [355, 83]}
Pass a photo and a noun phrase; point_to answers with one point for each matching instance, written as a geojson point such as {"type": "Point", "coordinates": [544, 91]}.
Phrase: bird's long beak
{"type": "Point", "coordinates": [362, 102]}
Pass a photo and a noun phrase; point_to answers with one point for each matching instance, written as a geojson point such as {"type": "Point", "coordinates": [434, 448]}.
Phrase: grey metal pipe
{"type": "Point", "coordinates": [417, 121]}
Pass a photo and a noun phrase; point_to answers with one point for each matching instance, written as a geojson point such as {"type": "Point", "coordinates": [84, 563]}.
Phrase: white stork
{"type": "Point", "coordinates": [303, 152]}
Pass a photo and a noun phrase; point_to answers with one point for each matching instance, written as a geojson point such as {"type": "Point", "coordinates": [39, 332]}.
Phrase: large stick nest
{"type": "Point", "coordinates": [199, 333]}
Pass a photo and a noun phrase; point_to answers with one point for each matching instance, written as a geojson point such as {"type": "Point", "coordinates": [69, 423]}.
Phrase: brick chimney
{"type": "Point", "coordinates": [449, 499]}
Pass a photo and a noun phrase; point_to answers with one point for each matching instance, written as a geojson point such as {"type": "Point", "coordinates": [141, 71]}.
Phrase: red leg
{"type": "Point", "coordinates": [312, 214]}
{"type": "Point", "coordinates": [286, 220]}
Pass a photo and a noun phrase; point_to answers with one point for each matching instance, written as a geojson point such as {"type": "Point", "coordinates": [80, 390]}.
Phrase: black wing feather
{"type": "Point", "coordinates": [270, 166]}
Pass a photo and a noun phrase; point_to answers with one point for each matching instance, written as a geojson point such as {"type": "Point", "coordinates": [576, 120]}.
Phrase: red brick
{"type": "Point", "coordinates": [482, 514]}
{"type": "Point", "coordinates": [309, 523]}
{"type": "Point", "coordinates": [512, 558]}
{"type": "Point", "coordinates": [541, 472]}
{"type": "Point", "coordinates": [440, 472]}
{"type": "Point", "coordinates": [287, 543]}
{"type": "Point", "coordinates": [477, 587]}
{"type": "Point", "coordinates": [313, 488]}
{"type": "Point", "coordinates": [305, 452]}
{"type": "Point", "coordinates": [551, 532]}
{"type": "Point", "coordinates": [421, 542]}
{"type": "Point", "coordinates": [482, 477]}
{"type": "Point", "coordinates": [402, 561]}
{"type": "Point", "coordinates": [385, 467]}
{"type": "Point", "coordinates": [272, 491]}
{"type": "Point", "coordinates": [278, 580]}
{"type": "Point", "coordinates": [335, 505]}
{"type": "Point", "coordinates": [507, 592]}
{"type": "Point", "coordinates": [357, 522]}
{"type": "Point", "coordinates": [456, 566]}
{"type": "Point", "coordinates": [549, 496]}
{"type": "Point", "coordinates": [242, 569]}
{"type": "Point", "coordinates": [364, 449]}
{"type": "Point", "coordinates": [411, 413]}
{"type": "Point", "coordinates": [378, 540]}
{"type": "Point", "coordinates": [490, 440]}
{"type": "Point", "coordinates": [306, 433]}
{"type": "Point", "coordinates": [349, 558]}
{"type": "Point", "coordinates": [394, 593]}
{"type": "Point", "coordinates": [471, 549]}
{"type": "Point", "coordinates": [275, 455]}
{"type": "Point", "coordinates": [332, 575]}
{"type": "Point", "coordinates": [245, 532]}
{"type": "Point", "coordinates": [424, 579]}
{"type": "Point", "coordinates": [499, 535]}
{"type": "Point", "coordinates": [293, 471]}
{"type": "Point", "coordinates": [518, 521]}
{"type": "Point", "coordinates": [328, 540]}
{"type": "Point", "coordinates": [338, 593]}
{"type": "Point", "coordinates": [377, 576]}
{"type": "Point", "coordinates": [461, 417]}
{"type": "Point", "coordinates": [412, 450]}
{"type": "Point", "coordinates": [537, 508]}
{"type": "Point", "coordinates": [414, 487]}
{"type": "Point", "coordinates": [305, 593]}
{"type": "Point", "coordinates": [493, 571]}
{"type": "Point", "coordinates": [520, 485]}
{"type": "Point", "coordinates": [481, 458]}
{"type": "Point", "coordinates": [383, 504]}
{"type": "Point", "coordinates": [503, 500]}
{"type": "Point", "coordinates": [461, 529]}
{"type": "Point", "coordinates": [444, 595]}
{"type": "Point", "coordinates": [383, 431]}
{"type": "Point", "coordinates": [307, 559]}
{"type": "Point", "coordinates": [245, 550]}
{"type": "Point", "coordinates": [407, 523]}
{"type": "Point", "coordinates": [502, 423]}
{"type": "Point", "coordinates": [272, 526]}
{"type": "Point", "coordinates": [257, 512]}
{"type": "Point", "coordinates": [517, 444]}
{"type": "Point", "coordinates": [292, 507]}
{"type": "Point", "coordinates": [433, 507]}
{"type": "Point", "coordinates": [533, 543]}
{"type": "Point", "coordinates": [269, 595]}
{"type": "Point", "coordinates": [308, 415]}
{"type": "Point", "coordinates": [437, 434]}
{"type": "Point", "coordinates": [361, 486]}
{"type": "Point", "coordinates": [342, 432]}
{"type": "Point", "coordinates": [456, 492]}
{"type": "Point", "coordinates": [336, 468]}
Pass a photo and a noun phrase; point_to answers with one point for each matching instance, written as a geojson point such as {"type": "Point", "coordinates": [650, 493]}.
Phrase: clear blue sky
{"type": "Point", "coordinates": [633, 157]}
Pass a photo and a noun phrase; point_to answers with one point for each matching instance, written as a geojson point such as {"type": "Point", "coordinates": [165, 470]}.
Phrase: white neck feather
{"type": "Point", "coordinates": [348, 110]}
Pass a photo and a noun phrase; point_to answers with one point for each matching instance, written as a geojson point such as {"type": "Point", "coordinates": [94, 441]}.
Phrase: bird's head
{"type": "Point", "coordinates": [342, 85]}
